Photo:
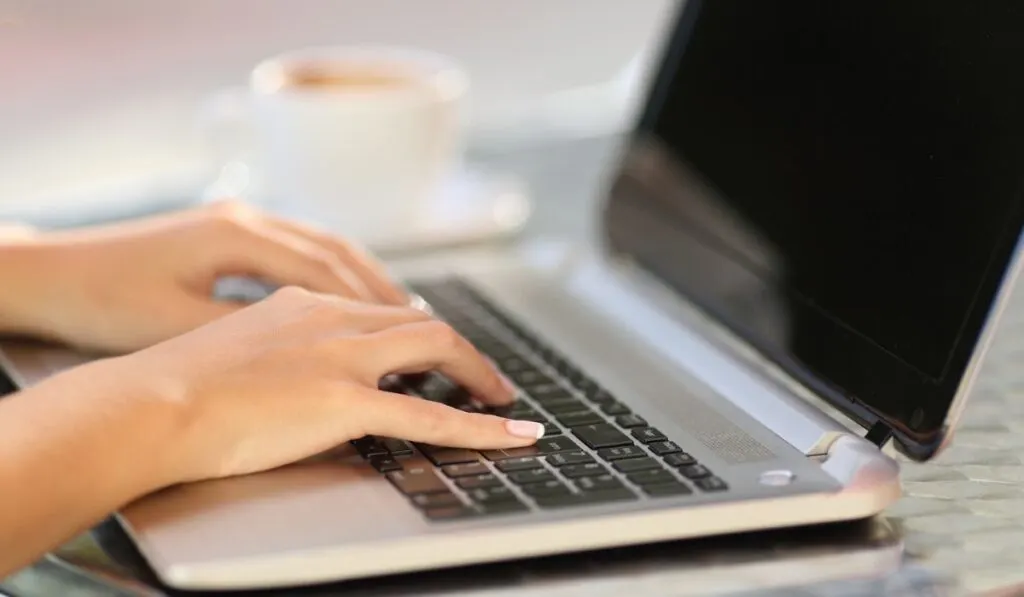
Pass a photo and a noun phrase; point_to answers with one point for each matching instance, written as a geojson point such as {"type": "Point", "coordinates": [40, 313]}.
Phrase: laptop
{"type": "Point", "coordinates": [804, 250]}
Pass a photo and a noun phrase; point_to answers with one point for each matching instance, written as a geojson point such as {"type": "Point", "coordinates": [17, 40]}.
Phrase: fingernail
{"type": "Point", "coordinates": [512, 389]}
{"type": "Point", "coordinates": [527, 429]}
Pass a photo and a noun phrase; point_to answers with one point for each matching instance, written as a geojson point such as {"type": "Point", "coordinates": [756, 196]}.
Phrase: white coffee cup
{"type": "Point", "coordinates": [360, 139]}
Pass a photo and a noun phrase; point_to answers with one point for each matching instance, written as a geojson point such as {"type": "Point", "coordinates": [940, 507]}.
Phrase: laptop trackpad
{"type": "Point", "coordinates": [331, 502]}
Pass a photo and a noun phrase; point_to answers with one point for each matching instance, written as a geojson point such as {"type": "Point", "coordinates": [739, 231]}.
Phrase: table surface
{"type": "Point", "coordinates": [958, 530]}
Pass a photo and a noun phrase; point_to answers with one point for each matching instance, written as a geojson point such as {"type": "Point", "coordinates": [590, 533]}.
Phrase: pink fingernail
{"type": "Point", "coordinates": [527, 429]}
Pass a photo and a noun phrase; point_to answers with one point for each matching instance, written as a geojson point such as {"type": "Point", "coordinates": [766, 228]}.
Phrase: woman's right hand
{"type": "Point", "coordinates": [298, 374]}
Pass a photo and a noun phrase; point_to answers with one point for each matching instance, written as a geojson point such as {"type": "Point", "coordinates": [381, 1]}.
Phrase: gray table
{"type": "Point", "coordinates": [958, 530]}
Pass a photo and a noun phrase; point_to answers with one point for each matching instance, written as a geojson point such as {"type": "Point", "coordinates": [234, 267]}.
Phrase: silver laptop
{"type": "Point", "coordinates": [804, 251]}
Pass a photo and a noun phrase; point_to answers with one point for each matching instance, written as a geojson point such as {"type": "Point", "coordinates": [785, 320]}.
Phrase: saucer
{"type": "Point", "coordinates": [472, 206]}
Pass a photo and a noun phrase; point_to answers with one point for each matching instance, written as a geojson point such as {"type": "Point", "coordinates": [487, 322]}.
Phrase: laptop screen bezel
{"type": "Point", "coordinates": [862, 399]}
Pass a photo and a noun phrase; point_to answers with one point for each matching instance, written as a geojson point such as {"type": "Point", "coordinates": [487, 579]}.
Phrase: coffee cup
{"type": "Point", "coordinates": [359, 139]}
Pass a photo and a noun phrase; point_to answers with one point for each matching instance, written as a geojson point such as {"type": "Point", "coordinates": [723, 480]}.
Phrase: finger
{"type": "Point", "coordinates": [370, 271]}
{"type": "Point", "coordinates": [373, 317]}
{"type": "Point", "coordinates": [430, 346]}
{"type": "Point", "coordinates": [414, 419]}
{"type": "Point", "coordinates": [287, 260]}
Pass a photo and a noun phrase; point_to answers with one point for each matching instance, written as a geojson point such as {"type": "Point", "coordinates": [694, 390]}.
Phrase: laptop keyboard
{"type": "Point", "coordinates": [595, 449]}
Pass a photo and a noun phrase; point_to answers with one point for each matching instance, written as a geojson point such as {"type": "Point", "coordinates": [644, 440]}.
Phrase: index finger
{"type": "Point", "coordinates": [435, 346]}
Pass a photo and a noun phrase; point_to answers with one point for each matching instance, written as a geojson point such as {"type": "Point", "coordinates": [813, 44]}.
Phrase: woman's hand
{"type": "Point", "coordinates": [290, 377]}
{"type": "Point", "coordinates": [122, 287]}
{"type": "Point", "coordinates": [298, 374]}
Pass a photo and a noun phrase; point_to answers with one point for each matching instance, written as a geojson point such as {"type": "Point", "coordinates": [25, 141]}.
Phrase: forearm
{"type": "Point", "coordinates": [31, 274]}
{"type": "Point", "coordinates": [72, 450]}
{"type": "Point", "coordinates": [17, 270]}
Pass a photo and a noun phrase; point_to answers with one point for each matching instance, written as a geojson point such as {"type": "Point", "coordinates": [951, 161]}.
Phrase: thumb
{"type": "Point", "coordinates": [414, 419]}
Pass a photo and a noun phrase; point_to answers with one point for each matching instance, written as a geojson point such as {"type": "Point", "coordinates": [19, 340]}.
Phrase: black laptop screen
{"type": "Point", "coordinates": [841, 183]}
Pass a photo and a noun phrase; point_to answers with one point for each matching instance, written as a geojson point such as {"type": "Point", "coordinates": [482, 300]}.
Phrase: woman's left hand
{"type": "Point", "coordinates": [122, 287]}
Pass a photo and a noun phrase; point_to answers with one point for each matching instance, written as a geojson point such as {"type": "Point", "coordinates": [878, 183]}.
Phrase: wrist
{"type": "Point", "coordinates": [124, 431]}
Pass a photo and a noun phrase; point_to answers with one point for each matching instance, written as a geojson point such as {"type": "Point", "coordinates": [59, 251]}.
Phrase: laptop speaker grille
{"type": "Point", "coordinates": [726, 440]}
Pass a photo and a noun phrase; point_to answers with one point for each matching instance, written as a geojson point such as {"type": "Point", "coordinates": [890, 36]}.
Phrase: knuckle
{"type": "Point", "coordinates": [294, 295]}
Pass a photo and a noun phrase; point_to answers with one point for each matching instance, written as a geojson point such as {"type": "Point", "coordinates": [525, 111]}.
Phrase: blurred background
{"type": "Point", "coordinates": [100, 99]}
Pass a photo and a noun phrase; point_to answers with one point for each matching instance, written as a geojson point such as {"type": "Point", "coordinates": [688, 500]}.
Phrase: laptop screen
{"type": "Point", "coordinates": [839, 182]}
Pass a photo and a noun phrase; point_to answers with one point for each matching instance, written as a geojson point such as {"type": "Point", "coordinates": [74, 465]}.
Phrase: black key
{"type": "Point", "coordinates": [695, 471]}
{"type": "Point", "coordinates": [385, 464]}
{"type": "Point", "coordinates": [397, 447]}
{"type": "Point", "coordinates": [369, 447]}
{"type": "Point", "coordinates": [633, 465]}
{"type": "Point", "coordinates": [438, 388]}
{"type": "Point", "coordinates": [585, 499]}
{"type": "Point", "coordinates": [585, 385]}
{"type": "Point", "coordinates": [665, 448]}
{"type": "Point", "coordinates": [628, 421]}
{"type": "Point", "coordinates": [468, 469]}
{"type": "Point", "coordinates": [652, 477]}
{"type": "Point", "coordinates": [551, 429]}
{"type": "Point", "coordinates": [566, 458]}
{"type": "Point", "coordinates": [648, 435]}
{"type": "Point", "coordinates": [448, 513]}
{"type": "Point", "coordinates": [614, 407]}
{"type": "Point", "coordinates": [550, 393]}
{"type": "Point", "coordinates": [418, 479]}
{"type": "Point", "coordinates": [598, 483]}
{"type": "Point", "coordinates": [495, 349]}
{"type": "Point", "coordinates": [558, 363]}
{"type": "Point", "coordinates": [589, 469]}
{"type": "Point", "coordinates": [621, 452]}
{"type": "Point", "coordinates": [530, 378]}
{"type": "Point", "coordinates": [711, 484]}
{"type": "Point", "coordinates": [546, 489]}
{"type": "Point", "coordinates": [555, 444]}
{"type": "Point", "coordinates": [518, 464]}
{"type": "Point", "coordinates": [536, 475]}
{"type": "Point", "coordinates": [436, 500]}
{"type": "Point", "coordinates": [513, 364]}
{"type": "Point", "coordinates": [602, 435]}
{"type": "Point", "coordinates": [601, 397]}
{"type": "Point", "coordinates": [517, 408]}
{"type": "Point", "coordinates": [579, 419]}
{"type": "Point", "coordinates": [682, 459]}
{"type": "Point", "coordinates": [530, 415]}
{"type": "Point", "coordinates": [526, 451]}
{"type": "Point", "coordinates": [666, 489]}
{"type": "Point", "coordinates": [485, 480]}
{"type": "Point", "coordinates": [490, 495]}
{"type": "Point", "coordinates": [443, 456]}
{"type": "Point", "coordinates": [392, 383]}
{"type": "Point", "coordinates": [563, 405]}
{"type": "Point", "coordinates": [508, 507]}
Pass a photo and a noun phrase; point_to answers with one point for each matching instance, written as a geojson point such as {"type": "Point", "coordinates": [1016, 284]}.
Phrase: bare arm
{"type": "Point", "coordinates": [282, 380]}
{"type": "Point", "coordinates": [67, 459]}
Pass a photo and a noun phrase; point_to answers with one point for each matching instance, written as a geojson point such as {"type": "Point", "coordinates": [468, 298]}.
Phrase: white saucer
{"type": "Point", "coordinates": [472, 206]}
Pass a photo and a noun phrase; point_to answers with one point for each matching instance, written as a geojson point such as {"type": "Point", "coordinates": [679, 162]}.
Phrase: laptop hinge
{"type": "Point", "coordinates": [879, 434]}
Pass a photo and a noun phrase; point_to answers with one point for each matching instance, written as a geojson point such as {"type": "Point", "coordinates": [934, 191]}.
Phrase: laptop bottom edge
{"type": "Point", "coordinates": [870, 484]}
